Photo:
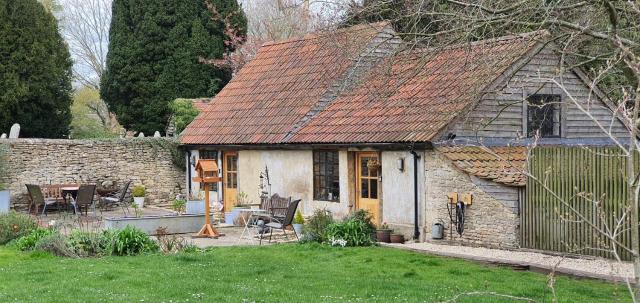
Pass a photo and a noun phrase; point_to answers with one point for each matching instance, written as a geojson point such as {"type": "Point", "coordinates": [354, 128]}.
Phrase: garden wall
{"type": "Point", "coordinates": [491, 221]}
{"type": "Point", "coordinates": [152, 162]}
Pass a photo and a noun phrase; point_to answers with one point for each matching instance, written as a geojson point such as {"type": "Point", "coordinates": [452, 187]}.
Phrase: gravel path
{"type": "Point", "coordinates": [594, 268]}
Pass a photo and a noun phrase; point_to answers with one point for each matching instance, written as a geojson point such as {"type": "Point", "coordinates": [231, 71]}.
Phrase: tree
{"type": "Point", "coordinates": [154, 53]}
{"type": "Point", "coordinates": [35, 71]}
{"type": "Point", "coordinates": [91, 118]}
{"type": "Point", "coordinates": [183, 113]}
{"type": "Point", "coordinates": [85, 26]}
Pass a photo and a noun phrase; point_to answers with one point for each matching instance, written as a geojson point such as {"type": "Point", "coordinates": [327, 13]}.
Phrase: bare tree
{"type": "Point", "coordinates": [85, 26]}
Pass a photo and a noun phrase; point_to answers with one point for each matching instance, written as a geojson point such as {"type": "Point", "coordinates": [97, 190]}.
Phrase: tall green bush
{"type": "Point", "coordinates": [154, 53]}
{"type": "Point", "coordinates": [35, 71]}
{"type": "Point", "coordinates": [316, 227]}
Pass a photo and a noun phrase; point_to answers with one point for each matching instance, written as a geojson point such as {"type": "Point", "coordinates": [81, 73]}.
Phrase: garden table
{"type": "Point", "coordinates": [250, 222]}
{"type": "Point", "coordinates": [69, 191]}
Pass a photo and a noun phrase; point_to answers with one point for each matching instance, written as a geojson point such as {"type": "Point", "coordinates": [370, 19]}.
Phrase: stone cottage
{"type": "Point", "coordinates": [352, 119]}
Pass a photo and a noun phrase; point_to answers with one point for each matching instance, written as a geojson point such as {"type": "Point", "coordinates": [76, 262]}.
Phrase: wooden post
{"type": "Point", "coordinates": [207, 231]}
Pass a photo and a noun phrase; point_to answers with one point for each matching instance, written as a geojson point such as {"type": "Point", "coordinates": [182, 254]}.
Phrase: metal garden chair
{"type": "Point", "coordinates": [117, 198]}
{"type": "Point", "coordinates": [37, 199]}
{"type": "Point", "coordinates": [282, 224]}
{"type": "Point", "coordinates": [84, 199]}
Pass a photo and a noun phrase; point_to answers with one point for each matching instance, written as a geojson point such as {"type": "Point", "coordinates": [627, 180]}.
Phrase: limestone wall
{"type": "Point", "coordinates": [489, 222]}
{"type": "Point", "coordinates": [144, 161]}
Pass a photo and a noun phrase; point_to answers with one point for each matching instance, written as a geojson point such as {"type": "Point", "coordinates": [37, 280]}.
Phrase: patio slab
{"type": "Point", "coordinates": [597, 268]}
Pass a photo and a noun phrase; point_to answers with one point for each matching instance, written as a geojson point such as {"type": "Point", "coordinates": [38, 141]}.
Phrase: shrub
{"type": "Point", "coordinates": [179, 205]}
{"type": "Point", "coordinates": [298, 219]}
{"type": "Point", "coordinates": [14, 225]}
{"type": "Point", "coordinates": [351, 232]}
{"type": "Point", "coordinates": [56, 244]}
{"type": "Point", "coordinates": [132, 241]}
{"type": "Point", "coordinates": [170, 243]}
{"type": "Point", "coordinates": [138, 191]}
{"type": "Point", "coordinates": [316, 227]}
{"type": "Point", "coordinates": [92, 244]}
{"type": "Point", "coordinates": [364, 216]}
{"type": "Point", "coordinates": [29, 241]}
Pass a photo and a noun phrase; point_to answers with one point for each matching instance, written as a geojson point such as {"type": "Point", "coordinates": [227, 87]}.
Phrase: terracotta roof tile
{"type": "Point", "coordinates": [263, 102]}
{"type": "Point", "coordinates": [412, 96]}
{"type": "Point", "coordinates": [499, 164]}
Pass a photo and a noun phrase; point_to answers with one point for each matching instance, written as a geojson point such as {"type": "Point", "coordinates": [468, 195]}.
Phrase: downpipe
{"type": "Point", "coordinates": [416, 230]}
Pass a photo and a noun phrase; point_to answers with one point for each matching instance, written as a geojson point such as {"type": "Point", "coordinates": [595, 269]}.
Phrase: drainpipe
{"type": "Point", "coordinates": [189, 173]}
{"type": "Point", "coordinates": [416, 231]}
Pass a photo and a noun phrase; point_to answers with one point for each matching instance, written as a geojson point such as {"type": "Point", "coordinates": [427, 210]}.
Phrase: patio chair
{"type": "Point", "coordinates": [283, 224]}
{"type": "Point", "coordinates": [278, 206]}
{"type": "Point", "coordinates": [117, 198]}
{"type": "Point", "coordinates": [84, 199]}
{"type": "Point", "coordinates": [37, 199]}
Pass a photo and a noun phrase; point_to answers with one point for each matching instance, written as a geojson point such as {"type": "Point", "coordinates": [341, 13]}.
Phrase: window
{"type": "Point", "coordinates": [209, 154]}
{"type": "Point", "coordinates": [543, 116]}
{"type": "Point", "coordinates": [326, 180]}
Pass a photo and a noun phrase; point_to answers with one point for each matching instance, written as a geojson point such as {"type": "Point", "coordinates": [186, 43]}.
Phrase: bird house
{"type": "Point", "coordinates": [207, 172]}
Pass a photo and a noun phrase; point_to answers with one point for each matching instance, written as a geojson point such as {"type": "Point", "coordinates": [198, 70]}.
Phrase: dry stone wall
{"type": "Point", "coordinates": [144, 161]}
{"type": "Point", "coordinates": [490, 222]}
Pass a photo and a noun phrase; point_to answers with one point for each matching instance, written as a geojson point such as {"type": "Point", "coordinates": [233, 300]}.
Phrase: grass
{"type": "Point", "coordinates": [280, 273]}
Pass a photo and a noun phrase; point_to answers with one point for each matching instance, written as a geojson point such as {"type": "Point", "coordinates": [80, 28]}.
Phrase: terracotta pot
{"type": "Point", "coordinates": [383, 235]}
{"type": "Point", "coordinates": [397, 238]}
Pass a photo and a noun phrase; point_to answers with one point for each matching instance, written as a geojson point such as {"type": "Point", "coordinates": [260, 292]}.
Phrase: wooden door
{"type": "Point", "coordinates": [367, 184]}
{"type": "Point", "coordinates": [230, 180]}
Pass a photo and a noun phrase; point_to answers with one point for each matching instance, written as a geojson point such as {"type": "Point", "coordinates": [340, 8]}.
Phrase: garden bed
{"type": "Point", "coordinates": [175, 224]}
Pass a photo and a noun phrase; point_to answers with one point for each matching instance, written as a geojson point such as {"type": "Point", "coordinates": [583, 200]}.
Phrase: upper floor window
{"type": "Point", "coordinates": [543, 116]}
{"type": "Point", "coordinates": [326, 178]}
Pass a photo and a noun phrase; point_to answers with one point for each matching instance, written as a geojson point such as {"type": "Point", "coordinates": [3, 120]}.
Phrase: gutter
{"type": "Point", "coordinates": [416, 230]}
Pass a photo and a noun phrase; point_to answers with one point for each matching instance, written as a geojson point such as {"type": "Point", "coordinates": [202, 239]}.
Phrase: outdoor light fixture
{"type": "Point", "coordinates": [401, 164]}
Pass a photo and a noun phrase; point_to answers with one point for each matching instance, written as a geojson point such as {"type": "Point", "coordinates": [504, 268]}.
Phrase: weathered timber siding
{"type": "Point", "coordinates": [500, 114]}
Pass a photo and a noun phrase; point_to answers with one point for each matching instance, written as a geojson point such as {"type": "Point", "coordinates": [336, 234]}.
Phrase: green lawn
{"type": "Point", "coordinates": [280, 273]}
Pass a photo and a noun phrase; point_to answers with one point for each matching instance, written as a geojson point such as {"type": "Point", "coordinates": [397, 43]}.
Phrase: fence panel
{"type": "Point", "coordinates": [576, 194]}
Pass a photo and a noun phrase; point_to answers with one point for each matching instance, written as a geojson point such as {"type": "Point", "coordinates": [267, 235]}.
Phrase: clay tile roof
{"type": "Point", "coordinates": [265, 100]}
{"type": "Point", "coordinates": [499, 164]}
{"type": "Point", "coordinates": [412, 96]}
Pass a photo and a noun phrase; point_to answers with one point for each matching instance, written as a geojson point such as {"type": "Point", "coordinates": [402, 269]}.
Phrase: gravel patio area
{"type": "Point", "coordinates": [598, 268]}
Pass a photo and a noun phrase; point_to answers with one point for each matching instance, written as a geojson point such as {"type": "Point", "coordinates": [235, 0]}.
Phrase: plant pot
{"type": "Point", "coordinates": [383, 235]}
{"type": "Point", "coordinates": [5, 201]}
{"type": "Point", "coordinates": [298, 229]}
{"type": "Point", "coordinates": [397, 238]}
{"type": "Point", "coordinates": [228, 218]}
{"type": "Point", "coordinates": [195, 207]}
{"type": "Point", "coordinates": [139, 201]}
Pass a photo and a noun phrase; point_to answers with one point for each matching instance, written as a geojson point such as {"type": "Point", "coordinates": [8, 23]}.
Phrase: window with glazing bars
{"type": "Point", "coordinates": [543, 116]}
{"type": "Point", "coordinates": [326, 179]}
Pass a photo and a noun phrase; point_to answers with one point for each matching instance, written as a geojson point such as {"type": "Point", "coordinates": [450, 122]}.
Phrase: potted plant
{"type": "Point", "coordinates": [298, 221]}
{"type": "Point", "coordinates": [138, 194]}
{"type": "Point", "coordinates": [383, 234]}
{"type": "Point", "coordinates": [195, 203]}
{"type": "Point", "coordinates": [179, 206]}
{"type": "Point", "coordinates": [397, 238]}
{"type": "Point", "coordinates": [373, 164]}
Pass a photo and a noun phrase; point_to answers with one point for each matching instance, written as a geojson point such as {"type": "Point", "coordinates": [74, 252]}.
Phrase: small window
{"type": "Point", "coordinates": [543, 116]}
{"type": "Point", "coordinates": [209, 155]}
{"type": "Point", "coordinates": [326, 180]}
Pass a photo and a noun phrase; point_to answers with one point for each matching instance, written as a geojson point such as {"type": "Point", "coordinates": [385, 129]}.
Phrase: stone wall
{"type": "Point", "coordinates": [144, 161]}
{"type": "Point", "coordinates": [489, 221]}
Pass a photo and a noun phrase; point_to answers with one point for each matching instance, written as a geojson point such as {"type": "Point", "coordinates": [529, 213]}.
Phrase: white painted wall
{"type": "Point", "coordinates": [195, 186]}
{"type": "Point", "coordinates": [291, 174]}
{"type": "Point", "coordinates": [397, 191]}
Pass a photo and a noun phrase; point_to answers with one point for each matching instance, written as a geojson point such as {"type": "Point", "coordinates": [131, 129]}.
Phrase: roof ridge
{"type": "Point", "coordinates": [323, 33]}
{"type": "Point", "coordinates": [541, 33]}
